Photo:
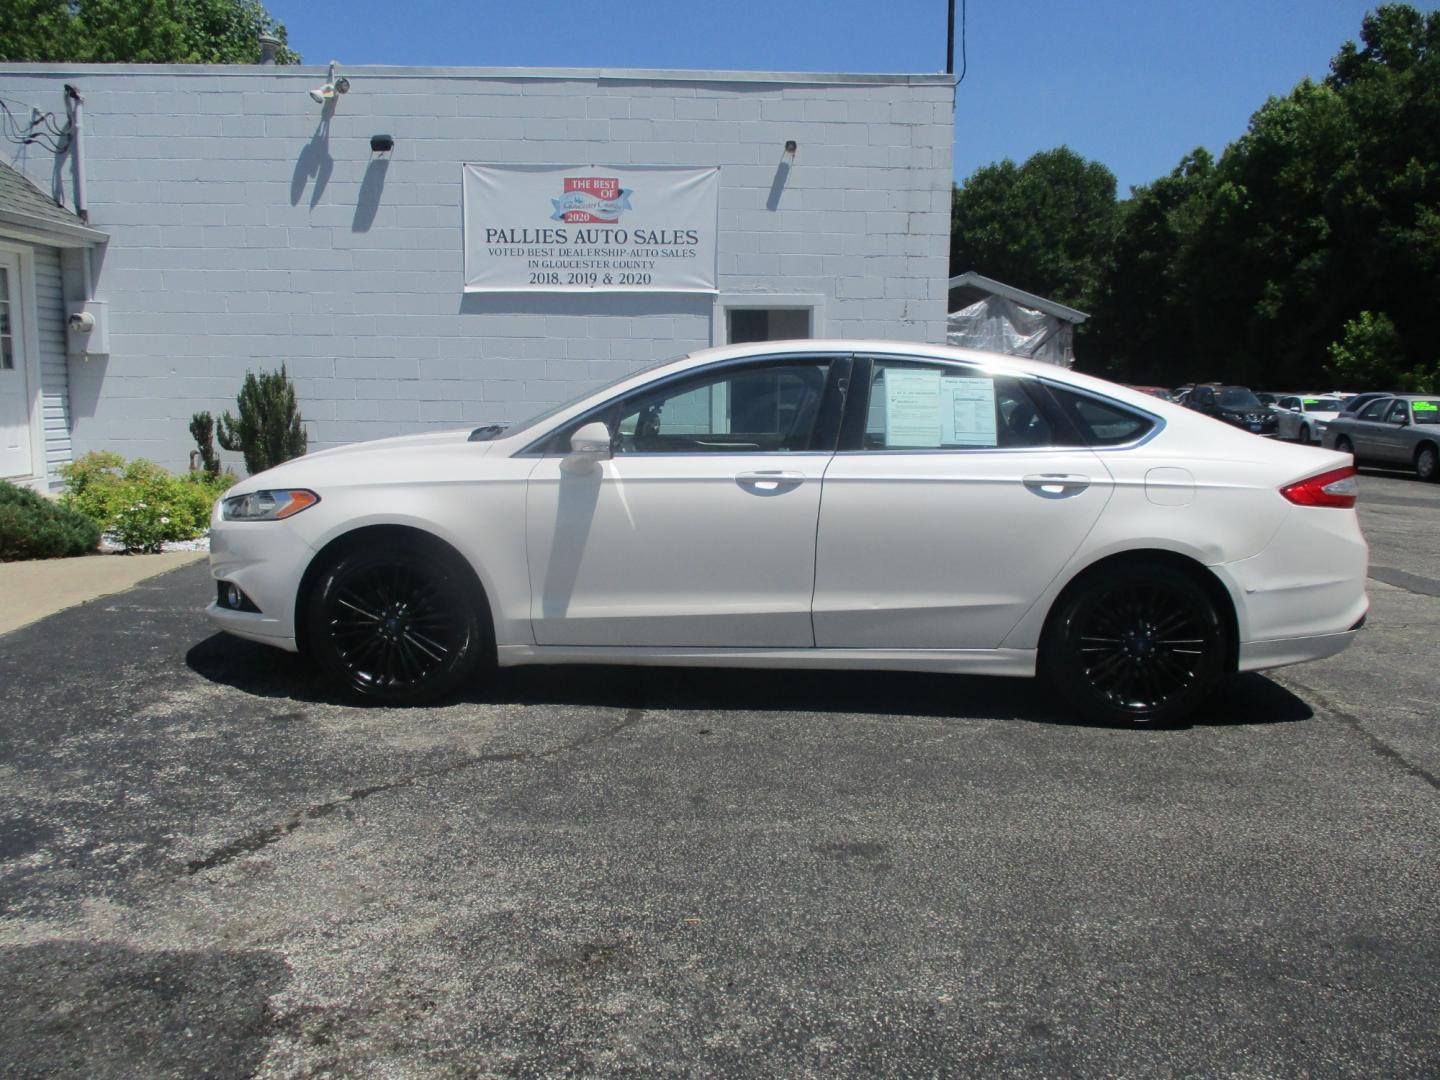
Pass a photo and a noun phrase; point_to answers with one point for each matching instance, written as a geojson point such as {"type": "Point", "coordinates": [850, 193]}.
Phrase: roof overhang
{"type": "Point", "coordinates": [21, 226]}
{"type": "Point", "coordinates": [970, 279]}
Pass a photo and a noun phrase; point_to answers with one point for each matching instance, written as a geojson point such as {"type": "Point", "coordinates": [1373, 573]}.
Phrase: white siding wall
{"type": "Point", "coordinates": [246, 233]}
{"type": "Point", "coordinates": [54, 380]}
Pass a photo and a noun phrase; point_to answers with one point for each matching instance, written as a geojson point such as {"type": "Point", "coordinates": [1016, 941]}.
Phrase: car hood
{"type": "Point", "coordinates": [377, 459]}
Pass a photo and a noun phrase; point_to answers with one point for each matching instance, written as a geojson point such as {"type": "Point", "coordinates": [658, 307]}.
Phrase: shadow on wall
{"type": "Point", "coordinates": [314, 161]}
{"type": "Point", "coordinates": [367, 203]}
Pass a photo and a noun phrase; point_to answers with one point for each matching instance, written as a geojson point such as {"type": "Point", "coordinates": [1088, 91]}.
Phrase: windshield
{"type": "Point", "coordinates": [556, 410]}
{"type": "Point", "coordinates": [1324, 404]}
{"type": "Point", "coordinates": [1237, 397]}
{"type": "Point", "coordinates": [1426, 412]}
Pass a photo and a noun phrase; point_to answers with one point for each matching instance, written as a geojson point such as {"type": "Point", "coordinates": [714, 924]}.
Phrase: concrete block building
{"type": "Point", "coordinates": [197, 222]}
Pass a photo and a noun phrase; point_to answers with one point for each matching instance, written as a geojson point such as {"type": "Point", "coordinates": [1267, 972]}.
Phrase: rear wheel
{"type": "Point", "coordinates": [399, 625]}
{"type": "Point", "coordinates": [1427, 463]}
{"type": "Point", "coordinates": [1137, 643]}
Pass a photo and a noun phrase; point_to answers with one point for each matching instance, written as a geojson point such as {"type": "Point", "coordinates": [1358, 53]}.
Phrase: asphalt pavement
{"type": "Point", "coordinates": [210, 866]}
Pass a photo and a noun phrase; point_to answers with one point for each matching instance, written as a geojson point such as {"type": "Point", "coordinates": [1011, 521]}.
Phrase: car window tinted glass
{"type": "Point", "coordinates": [1101, 423]}
{"type": "Point", "coordinates": [1399, 411]}
{"type": "Point", "coordinates": [1375, 409]}
{"type": "Point", "coordinates": [555, 410]}
{"type": "Point", "coordinates": [761, 409]}
{"type": "Point", "coordinates": [939, 407]}
{"type": "Point", "coordinates": [1426, 412]}
{"type": "Point", "coordinates": [1237, 397]}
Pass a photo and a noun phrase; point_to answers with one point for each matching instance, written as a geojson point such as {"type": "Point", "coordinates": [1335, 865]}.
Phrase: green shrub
{"type": "Point", "coordinates": [139, 503]}
{"type": "Point", "coordinates": [268, 431]}
{"type": "Point", "coordinates": [33, 527]}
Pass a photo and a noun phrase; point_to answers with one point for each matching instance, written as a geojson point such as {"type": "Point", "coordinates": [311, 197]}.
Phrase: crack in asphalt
{"type": "Point", "coordinates": [1402, 579]}
{"type": "Point", "coordinates": [263, 838]}
{"type": "Point", "coordinates": [1377, 745]}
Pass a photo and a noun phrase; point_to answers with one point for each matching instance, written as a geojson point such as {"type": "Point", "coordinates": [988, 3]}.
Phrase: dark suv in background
{"type": "Point", "coordinates": [1236, 405]}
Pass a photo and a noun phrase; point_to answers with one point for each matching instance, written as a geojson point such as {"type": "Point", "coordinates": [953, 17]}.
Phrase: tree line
{"type": "Point", "coordinates": [1308, 254]}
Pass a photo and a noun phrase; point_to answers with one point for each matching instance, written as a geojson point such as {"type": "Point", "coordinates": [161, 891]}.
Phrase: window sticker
{"type": "Point", "coordinates": [967, 417]}
{"type": "Point", "coordinates": [1426, 412]}
{"type": "Point", "coordinates": [912, 408]}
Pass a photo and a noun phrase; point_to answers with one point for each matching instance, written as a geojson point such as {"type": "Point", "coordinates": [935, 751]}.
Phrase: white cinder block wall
{"type": "Point", "coordinates": [244, 232]}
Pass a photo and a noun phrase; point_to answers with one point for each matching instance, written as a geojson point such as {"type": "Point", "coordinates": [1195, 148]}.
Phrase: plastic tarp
{"type": "Point", "coordinates": [996, 324]}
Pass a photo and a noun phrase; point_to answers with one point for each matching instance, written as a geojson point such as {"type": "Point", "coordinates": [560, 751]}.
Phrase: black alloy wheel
{"type": "Point", "coordinates": [1135, 644]}
{"type": "Point", "coordinates": [1427, 464]}
{"type": "Point", "coordinates": [398, 626]}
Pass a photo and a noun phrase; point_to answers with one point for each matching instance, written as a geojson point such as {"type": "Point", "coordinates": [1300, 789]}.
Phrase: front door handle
{"type": "Point", "coordinates": [770, 482]}
{"type": "Point", "coordinates": [1056, 485]}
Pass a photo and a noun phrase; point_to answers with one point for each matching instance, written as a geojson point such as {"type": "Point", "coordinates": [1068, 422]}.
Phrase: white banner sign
{"type": "Point", "coordinates": [539, 228]}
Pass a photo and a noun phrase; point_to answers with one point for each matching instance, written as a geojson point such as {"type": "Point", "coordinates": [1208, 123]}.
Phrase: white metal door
{"type": "Point", "coordinates": [686, 550]}
{"type": "Point", "coordinates": [16, 458]}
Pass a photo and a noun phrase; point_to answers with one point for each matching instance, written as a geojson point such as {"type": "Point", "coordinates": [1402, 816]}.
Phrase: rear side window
{"type": "Point", "coordinates": [1426, 412]}
{"type": "Point", "coordinates": [1101, 423]}
{"type": "Point", "coordinates": [918, 406]}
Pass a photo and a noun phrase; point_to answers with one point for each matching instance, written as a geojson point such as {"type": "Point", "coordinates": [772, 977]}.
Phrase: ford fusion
{"type": "Point", "coordinates": [840, 504]}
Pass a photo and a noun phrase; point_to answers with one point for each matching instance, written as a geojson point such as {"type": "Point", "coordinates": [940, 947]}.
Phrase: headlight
{"type": "Point", "coordinates": [267, 505]}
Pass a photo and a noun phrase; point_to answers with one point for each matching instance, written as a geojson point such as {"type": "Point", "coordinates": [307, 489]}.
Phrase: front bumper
{"type": "Point", "coordinates": [266, 560]}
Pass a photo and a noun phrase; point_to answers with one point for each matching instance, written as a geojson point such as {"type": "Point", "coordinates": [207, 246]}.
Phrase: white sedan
{"type": "Point", "coordinates": [1303, 417]}
{"type": "Point", "coordinates": [831, 504]}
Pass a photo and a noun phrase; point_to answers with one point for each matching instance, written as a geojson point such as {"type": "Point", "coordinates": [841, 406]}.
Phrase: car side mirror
{"type": "Point", "coordinates": [589, 446]}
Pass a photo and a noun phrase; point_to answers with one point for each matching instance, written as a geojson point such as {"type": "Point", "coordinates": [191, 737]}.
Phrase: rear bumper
{"type": "Point", "coordinates": [1259, 655]}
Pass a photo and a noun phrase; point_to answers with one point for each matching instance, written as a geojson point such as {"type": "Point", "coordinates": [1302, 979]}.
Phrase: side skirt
{"type": "Point", "coordinates": [1019, 663]}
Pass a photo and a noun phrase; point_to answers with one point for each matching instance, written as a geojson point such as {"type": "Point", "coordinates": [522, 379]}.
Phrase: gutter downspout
{"type": "Point", "coordinates": [75, 105]}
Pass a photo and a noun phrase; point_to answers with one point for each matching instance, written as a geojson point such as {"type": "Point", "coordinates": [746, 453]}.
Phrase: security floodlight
{"type": "Point", "coordinates": [321, 94]}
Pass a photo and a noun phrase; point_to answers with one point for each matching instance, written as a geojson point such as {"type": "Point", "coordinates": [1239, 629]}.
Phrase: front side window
{"type": "Point", "coordinates": [761, 409]}
{"type": "Point", "coordinates": [938, 407]}
{"type": "Point", "coordinates": [1375, 410]}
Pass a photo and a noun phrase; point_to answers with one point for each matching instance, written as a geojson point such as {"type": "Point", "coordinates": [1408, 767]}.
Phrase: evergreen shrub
{"type": "Point", "coordinates": [33, 527]}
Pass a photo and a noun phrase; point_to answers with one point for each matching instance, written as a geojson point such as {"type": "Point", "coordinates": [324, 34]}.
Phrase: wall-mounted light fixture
{"type": "Point", "coordinates": [382, 144]}
{"type": "Point", "coordinates": [788, 158]}
{"type": "Point", "coordinates": [332, 87]}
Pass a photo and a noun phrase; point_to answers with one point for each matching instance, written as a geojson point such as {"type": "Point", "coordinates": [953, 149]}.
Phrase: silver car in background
{"type": "Point", "coordinates": [1400, 431]}
{"type": "Point", "coordinates": [1304, 417]}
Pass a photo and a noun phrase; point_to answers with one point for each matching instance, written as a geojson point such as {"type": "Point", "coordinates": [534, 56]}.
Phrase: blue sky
{"type": "Point", "coordinates": [1134, 84]}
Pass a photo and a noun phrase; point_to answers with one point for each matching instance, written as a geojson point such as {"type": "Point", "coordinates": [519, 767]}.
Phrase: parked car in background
{"type": "Point", "coordinates": [1356, 402]}
{"type": "Point", "coordinates": [981, 514]}
{"type": "Point", "coordinates": [1399, 431]}
{"type": "Point", "coordinates": [1266, 398]}
{"type": "Point", "coordinates": [1154, 391]}
{"type": "Point", "coordinates": [1235, 405]}
{"type": "Point", "coordinates": [1303, 417]}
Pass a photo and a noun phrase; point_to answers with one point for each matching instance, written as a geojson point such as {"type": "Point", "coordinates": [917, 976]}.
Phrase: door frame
{"type": "Point", "coordinates": [28, 341]}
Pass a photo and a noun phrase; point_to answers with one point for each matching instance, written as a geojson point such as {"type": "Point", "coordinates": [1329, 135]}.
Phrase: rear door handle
{"type": "Point", "coordinates": [1056, 485]}
{"type": "Point", "coordinates": [770, 482]}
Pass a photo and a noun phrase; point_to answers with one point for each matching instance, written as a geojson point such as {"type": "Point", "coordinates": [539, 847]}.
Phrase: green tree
{"type": "Point", "coordinates": [1045, 226]}
{"type": "Point", "coordinates": [138, 31]}
{"type": "Point", "coordinates": [269, 430]}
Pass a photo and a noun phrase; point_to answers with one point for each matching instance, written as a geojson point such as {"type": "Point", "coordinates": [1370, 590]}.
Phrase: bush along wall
{"type": "Point", "coordinates": [137, 502]}
{"type": "Point", "coordinates": [33, 527]}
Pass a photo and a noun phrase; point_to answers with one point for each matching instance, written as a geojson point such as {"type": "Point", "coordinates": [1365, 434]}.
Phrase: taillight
{"type": "Point", "coordinates": [1335, 488]}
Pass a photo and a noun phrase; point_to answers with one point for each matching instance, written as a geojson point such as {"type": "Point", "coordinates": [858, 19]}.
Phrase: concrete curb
{"type": "Point", "coordinates": [34, 590]}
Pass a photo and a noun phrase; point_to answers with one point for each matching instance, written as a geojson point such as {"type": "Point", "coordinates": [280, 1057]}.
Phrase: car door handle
{"type": "Point", "coordinates": [770, 482]}
{"type": "Point", "coordinates": [1056, 485]}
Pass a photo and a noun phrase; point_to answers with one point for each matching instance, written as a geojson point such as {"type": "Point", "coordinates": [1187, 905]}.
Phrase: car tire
{"type": "Point", "coordinates": [1345, 446]}
{"type": "Point", "coordinates": [398, 625]}
{"type": "Point", "coordinates": [1135, 644]}
{"type": "Point", "coordinates": [1304, 437]}
{"type": "Point", "coordinates": [1427, 463]}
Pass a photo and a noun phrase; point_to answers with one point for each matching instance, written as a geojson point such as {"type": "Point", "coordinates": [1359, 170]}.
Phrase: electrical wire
{"type": "Point", "coordinates": [964, 60]}
{"type": "Point", "coordinates": [41, 129]}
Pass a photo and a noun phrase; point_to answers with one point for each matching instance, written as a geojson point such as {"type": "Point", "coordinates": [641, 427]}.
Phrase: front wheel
{"type": "Point", "coordinates": [1304, 436]}
{"type": "Point", "coordinates": [1345, 446]}
{"type": "Point", "coordinates": [1427, 464]}
{"type": "Point", "coordinates": [1135, 644]}
{"type": "Point", "coordinates": [399, 626]}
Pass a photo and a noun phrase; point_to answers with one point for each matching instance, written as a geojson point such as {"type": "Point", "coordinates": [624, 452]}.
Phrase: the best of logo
{"type": "Point", "coordinates": [597, 199]}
